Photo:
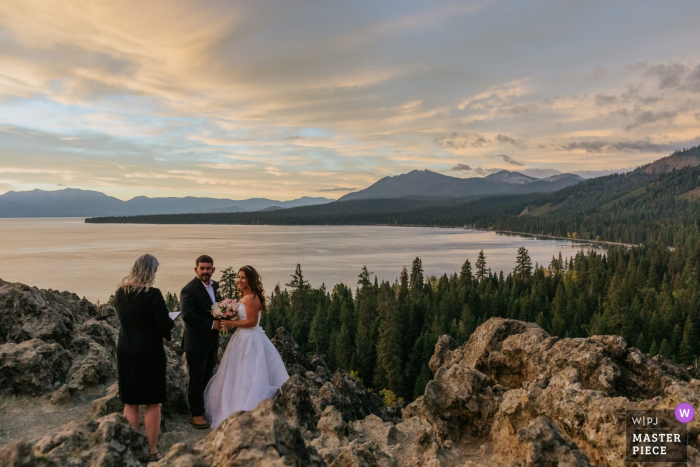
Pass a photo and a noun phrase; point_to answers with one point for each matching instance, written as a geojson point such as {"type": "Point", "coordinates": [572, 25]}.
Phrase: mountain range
{"type": "Point", "coordinates": [427, 184]}
{"type": "Point", "coordinates": [71, 202]}
{"type": "Point", "coordinates": [418, 184]}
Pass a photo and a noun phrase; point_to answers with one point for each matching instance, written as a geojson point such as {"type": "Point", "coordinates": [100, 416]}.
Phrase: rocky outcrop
{"type": "Point", "coordinates": [545, 446]}
{"type": "Point", "coordinates": [499, 384]}
{"type": "Point", "coordinates": [54, 342]}
{"type": "Point", "coordinates": [109, 441]}
{"type": "Point", "coordinates": [512, 395]}
{"type": "Point", "coordinates": [32, 367]}
{"type": "Point", "coordinates": [261, 437]}
{"type": "Point", "coordinates": [311, 388]}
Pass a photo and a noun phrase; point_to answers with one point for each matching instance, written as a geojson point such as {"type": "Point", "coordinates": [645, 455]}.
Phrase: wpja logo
{"type": "Point", "coordinates": [655, 436]}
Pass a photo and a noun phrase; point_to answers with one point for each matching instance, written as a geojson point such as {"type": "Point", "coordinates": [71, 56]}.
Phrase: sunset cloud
{"type": "Point", "coordinates": [281, 100]}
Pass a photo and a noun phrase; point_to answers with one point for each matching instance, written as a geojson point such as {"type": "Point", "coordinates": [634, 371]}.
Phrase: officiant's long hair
{"type": "Point", "coordinates": [142, 275]}
{"type": "Point", "coordinates": [255, 284]}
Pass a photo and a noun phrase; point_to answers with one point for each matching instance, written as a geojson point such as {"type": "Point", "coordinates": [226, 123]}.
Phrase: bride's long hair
{"type": "Point", "coordinates": [142, 275]}
{"type": "Point", "coordinates": [255, 284]}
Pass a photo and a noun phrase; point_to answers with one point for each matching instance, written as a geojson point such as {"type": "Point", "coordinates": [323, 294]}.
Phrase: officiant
{"type": "Point", "coordinates": [141, 361]}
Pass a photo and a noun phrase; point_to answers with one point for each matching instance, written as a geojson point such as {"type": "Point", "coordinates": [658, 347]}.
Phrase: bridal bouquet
{"type": "Point", "coordinates": [225, 310]}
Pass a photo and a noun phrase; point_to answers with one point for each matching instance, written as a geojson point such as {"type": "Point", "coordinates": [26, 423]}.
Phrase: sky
{"type": "Point", "coordinates": [283, 99]}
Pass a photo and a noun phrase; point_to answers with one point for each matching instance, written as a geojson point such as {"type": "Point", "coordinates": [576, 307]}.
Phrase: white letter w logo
{"type": "Point", "coordinates": [685, 413]}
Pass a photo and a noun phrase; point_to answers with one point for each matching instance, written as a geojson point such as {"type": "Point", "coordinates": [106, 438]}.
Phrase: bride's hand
{"type": "Point", "coordinates": [227, 324]}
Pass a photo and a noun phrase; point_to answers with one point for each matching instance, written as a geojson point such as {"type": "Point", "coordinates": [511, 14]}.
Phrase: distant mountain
{"type": "Point", "coordinates": [11, 209]}
{"type": "Point", "coordinates": [71, 202]}
{"type": "Point", "coordinates": [510, 177]}
{"type": "Point", "coordinates": [426, 184]}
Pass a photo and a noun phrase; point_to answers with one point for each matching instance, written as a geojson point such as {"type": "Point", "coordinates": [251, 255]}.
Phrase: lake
{"type": "Point", "coordinates": [90, 259]}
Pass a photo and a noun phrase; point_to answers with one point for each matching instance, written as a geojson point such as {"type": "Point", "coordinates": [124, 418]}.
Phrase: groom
{"type": "Point", "coordinates": [200, 340]}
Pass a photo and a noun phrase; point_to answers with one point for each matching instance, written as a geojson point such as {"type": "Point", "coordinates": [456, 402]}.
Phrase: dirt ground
{"type": "Point", "coordinates": [33, 417]}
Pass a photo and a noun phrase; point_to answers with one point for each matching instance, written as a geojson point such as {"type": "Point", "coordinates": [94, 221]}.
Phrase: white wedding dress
{"type": "Point", "coordinates": [250, 371]}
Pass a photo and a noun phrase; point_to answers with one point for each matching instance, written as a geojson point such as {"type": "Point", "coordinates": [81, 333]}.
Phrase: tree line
{"type": "Point", "coordinates": [386, 332]}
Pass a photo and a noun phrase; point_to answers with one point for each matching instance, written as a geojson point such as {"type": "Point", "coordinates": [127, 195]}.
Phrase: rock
{"type": "Point", "coordinates": [84, 333]}
{"type": "Point", "coordinates": [443, 351]}
{"type": "Point", "coordinates": [109, 441]}
{"type": "Point", "coordinates": [546, 446]}
{"type": "Point", "coordinates": [458, 401]}
{"type": "Point", "coordinates": [261, 437]}
{"type": "Point", "coordinates": [111, 403]}
{"type": "Point", "coordinates": [102, 332]}
{"type": "Point", "coordinates": [33, 367]}
{"type": "Point", "coordinates": [294, 360]}
{"type": "Point", "coordinates": [176, 382]}
{"type": "Point", "coordinates": [297, 405]}
{"type": "Point", "coordinates": [182, 455]}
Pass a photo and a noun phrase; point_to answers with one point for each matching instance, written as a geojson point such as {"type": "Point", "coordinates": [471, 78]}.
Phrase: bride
{"type": "Point", "coordinates": [251, 369]}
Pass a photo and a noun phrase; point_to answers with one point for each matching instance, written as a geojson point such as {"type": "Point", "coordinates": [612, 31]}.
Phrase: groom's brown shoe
{"type": "Point", "coordinates": [199, 422]}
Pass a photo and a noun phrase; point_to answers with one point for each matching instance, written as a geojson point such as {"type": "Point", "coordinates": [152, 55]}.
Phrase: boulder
{"type": "Point", "coordinates": [109, 441]}
{"type": "Point", "coordinates": [545, 446]}
{"type": "Point", "coordinates": [260, 437]}
{"type": "Point", "coordinates": [294, 360]}
{"type": "Point", "coordinates": [33, 367]}
{"type": "Point", "coordinates": [459, 401]}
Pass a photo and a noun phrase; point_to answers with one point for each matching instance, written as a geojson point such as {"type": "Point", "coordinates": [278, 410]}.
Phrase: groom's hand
{"type": "Point", "coordinates": [217, 324]}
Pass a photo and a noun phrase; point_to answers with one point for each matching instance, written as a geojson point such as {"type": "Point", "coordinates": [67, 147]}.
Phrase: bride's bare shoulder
{"type": "Point", "coordinates": [250, 300]}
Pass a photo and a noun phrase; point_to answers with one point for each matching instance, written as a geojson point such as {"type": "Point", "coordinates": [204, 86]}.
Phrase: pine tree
{"type": "Point", "coordinates": [416, 280]}
{"type": "Point", "coordinates": [228, 283]}
{"type": "Point", "coordinates": [171, 301]}
{"type": "Point", "coordinates": [642, 343]}
{"type": "Point", "coordinates": [343, 349]}
{"type": "Point", "coordinates": [388, 373]}
{"type": "Point", "coordinates": [665, 348]}
{"type": "Point", "coordinates": [523, 264]}
{"type": "Point", "coordinates": [686, 350]}
{"type": "Point", "coordinates": [654, 349]}
{"type": "Point", "coordinates": [299, 307]}
{"type": "Point", "coordinates": [481, 266]}
{"type": "Point", "coordinates": [465, 276]}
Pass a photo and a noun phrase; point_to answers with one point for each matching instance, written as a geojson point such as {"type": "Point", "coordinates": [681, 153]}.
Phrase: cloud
{"type": "Point", "coordinates": [461, 168]}
{"type": "Point", "coordinates": [648, 117]}
{"type": "Point", "coordinates": [623, 146]}
{"type": "Point", "coordinates": [511, 141]}
{"type": "Point", "coordinates": [337, 189]}
{"type": "Point", "coordinates": [667, 76]}
{"type": "Point", "coordinates": [508, 159]}
{"type": "Point", "coordinates": [293, 138]}
{"type": "Point", "coordinates": [460, 141]}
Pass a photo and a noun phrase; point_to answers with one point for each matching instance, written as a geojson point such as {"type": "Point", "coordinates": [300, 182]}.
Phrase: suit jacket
{"type": "Point", "coordinates": [196, 313]}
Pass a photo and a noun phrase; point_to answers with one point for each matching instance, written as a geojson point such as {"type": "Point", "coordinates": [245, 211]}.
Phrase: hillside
{"type": "Point", "coordinates": [428, 184]}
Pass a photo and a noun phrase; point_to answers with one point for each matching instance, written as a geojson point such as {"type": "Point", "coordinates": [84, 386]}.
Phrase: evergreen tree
{"type": "Point", "coordinates": [171, 301]}
{"type": "Point", "coordinates": [228, 283]}
{"type": "Point", "coordinates": [299, 308]}
{"type": "Point", "coordinates": [687, 347]}
{"type": "Point", "coordinates": [523, 264]}
{"type": "Point", "coordinates": [416, 280]}
{"type": "Point", "coordinates": [465, 275]}
{"type": "Point", "coordinates": [388, 373]}
{"type": "Point", "coordinates": [481, 266]}
{"type": "Point", "coordinates": [654, 349]}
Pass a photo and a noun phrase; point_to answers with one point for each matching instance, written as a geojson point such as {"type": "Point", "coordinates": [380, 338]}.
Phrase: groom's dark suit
{"type": "Point", "coordinates": [199, 341]}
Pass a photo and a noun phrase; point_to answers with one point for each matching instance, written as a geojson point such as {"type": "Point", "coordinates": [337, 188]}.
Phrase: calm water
{"type": "Point", "coordinates": [90, 259]}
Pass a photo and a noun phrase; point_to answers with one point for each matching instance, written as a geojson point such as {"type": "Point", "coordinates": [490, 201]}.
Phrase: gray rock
{"type": "Point", "coordinates": [109, 441]}
{"type": "Point", "coordinates": [33, 367]}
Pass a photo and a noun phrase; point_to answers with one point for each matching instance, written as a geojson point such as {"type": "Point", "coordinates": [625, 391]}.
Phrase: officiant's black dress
{"type": "Point", "coordinates": [140, 355]}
